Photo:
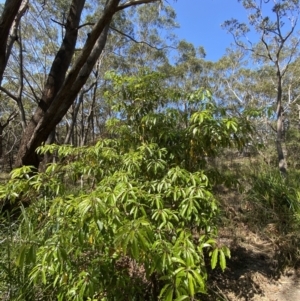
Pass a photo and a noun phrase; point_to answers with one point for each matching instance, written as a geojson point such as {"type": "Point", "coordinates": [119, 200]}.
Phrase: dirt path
{"type": "Point", "coordinates": [251, 276]}
{"type": "Point", "coordinates": [255, 271]}
{"type": "Point", "coordinates": [286, 288]}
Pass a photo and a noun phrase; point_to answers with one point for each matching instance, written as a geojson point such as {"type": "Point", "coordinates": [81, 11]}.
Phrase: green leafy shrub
{"type": "Point", "coordinates": [105, 224]}
{"type": "Point", "coordinates": [130, 218]}
{"type": "Point", "coordinates": [188, 124]}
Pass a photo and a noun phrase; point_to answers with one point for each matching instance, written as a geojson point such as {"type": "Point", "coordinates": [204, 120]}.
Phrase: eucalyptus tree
{"type": "Point", "coordinates": [70, 69]}
{"type": "Point", "coordinates": [242, 89]}
{"type": "Point", "coordinates": [9, 13]}
{"type": "Point", "coordinates": [277, 47]}
{"type": "Point", "coordinates": [154, 37]}
{"type": "Point", "coordinates": [12, 14]}
{"type": "Point", "coordinates": [130, 46]}
{"type": "Point", "coordinates": [187, 75]}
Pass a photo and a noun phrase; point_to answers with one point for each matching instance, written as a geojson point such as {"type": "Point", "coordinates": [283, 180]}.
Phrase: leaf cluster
{"type": "Point", "coordinates": [102, 220]}
{"type": "Point", "coordinates": [131, 217]}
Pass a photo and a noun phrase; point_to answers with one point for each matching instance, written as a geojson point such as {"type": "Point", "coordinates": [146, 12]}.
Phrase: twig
{"type": "Point", "coordinates": [139, 42]}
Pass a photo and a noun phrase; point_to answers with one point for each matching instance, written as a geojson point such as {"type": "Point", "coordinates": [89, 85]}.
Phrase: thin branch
{"type": "Point", "coordinates": [80, 26]}
{"type": "Point", "coordinates": [9, 119]}
{"type": "Point", "coordinates": [295, 99]}
{"type": "Point", "coordinates": [14, 30]}
{"type": "Point", "coordinates": [13, 144]}
{"type": "Point", "coordinates": [135, 2]}
{"type": "Point", "coordinates": [128, 36]}
{"type": "Point", "coordinates": [234, 93]}
{"type": "Point", "coordinates": [35, 97]}
{"type": "Point", "coordinates": [290, 57]}
{"type": "Point", "coordinates": [139, 42]}
{"type": "Point", "coordinates": [267, 47]}
{"type": "Point", "coordinates": [86, 24]}
{"type": "Point", "coordinates": [15, 98]}
{"type": "Point", "coordinates": [236, 41]}
{"type": "Point", "coordinates": [21, 83]}
{"type": "Point", "coordinates": [59, 23]}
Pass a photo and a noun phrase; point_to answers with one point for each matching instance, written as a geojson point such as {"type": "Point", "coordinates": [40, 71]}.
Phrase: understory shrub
{"type": "Point", "coordinates": [107, 224]}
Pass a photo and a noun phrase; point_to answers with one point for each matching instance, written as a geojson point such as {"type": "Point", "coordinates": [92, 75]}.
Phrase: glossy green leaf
{"type": "Point", "coordinates": [214, 258]}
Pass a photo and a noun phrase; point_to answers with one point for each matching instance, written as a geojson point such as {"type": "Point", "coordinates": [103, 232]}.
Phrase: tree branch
{"type": "Point", "coordinates": [135, 2]}
{"type": "Point", "coordinates": [139, 42]}
{"type": "Point", "coordinates": [234, 93]}
{"type": "Point", "coordinates": [15, 98]}
{"type": "Point", "coordinates": [14, 30]}
{"type": "Point", "coordinates": [267, 47]}
{"type": "Point", "coordinates": [59, 23]}
{"type": "Point", "coordinates": [9, 119]}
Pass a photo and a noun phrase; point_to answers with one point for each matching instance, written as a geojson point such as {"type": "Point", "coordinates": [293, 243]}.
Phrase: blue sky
{"type": "Point", "coordinates": [200, 23]}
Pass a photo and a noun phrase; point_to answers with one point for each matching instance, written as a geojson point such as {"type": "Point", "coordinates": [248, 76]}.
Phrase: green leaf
{"type": "Point", "coordinates": [177, 271]}
{"type": "Point", "coordinates": [169, 294]}
{"type": "Point", "coordinates": [20, 259]}
{"type": "Point", "coordinates": [135, 249]}
{"type": "Point", "coordinates": [178, 260]}
{"type": "Point", "coordinates": [226, 251]}
{"type": "Point", "coordinates": [99, 225]}
{"type": "Point", "coordinates": [199, 279]}
{"type": "Point", "coordinates": [222, 260]}
{"type": "Point", "coordinates": [181, 298]}
{"type": "Point", "coordinates": [44, 280]}
{"type": "Point", "coordinates": [191, 284]}
{"type": "Point", "coordinates": [214, 258]}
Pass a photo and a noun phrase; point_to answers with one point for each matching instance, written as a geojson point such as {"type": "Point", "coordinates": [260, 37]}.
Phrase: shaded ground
{"type": "Point", "coordinates": [251, 276]}
{"type": "Point", "coordinates": [259, 268]}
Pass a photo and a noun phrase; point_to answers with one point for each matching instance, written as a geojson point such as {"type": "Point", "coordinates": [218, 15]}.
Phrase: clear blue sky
{"type": "Point", "coordinates": [200, 23]}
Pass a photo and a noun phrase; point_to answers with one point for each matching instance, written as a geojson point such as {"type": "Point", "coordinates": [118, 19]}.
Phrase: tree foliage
{"type": "Point", "coordinates": [130, 217]}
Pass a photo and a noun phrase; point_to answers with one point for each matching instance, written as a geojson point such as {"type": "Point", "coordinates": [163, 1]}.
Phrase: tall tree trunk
{"type": "Point", "coordinates": [280, 129]}
{"type": "Point", "coordinates": [60, 92]}
{"type": "Point", "coordinates": [48, 158]}
{"type": "Point", "coordinates": [1, 140]}
{"type": "Point", "coordinates": [89, 118]}
{"type": "Point", "coordinates": [58, 96]}
{"type": "Point", "coordinates": [74, 114]}
{"type": "Point", "coordinates": [9, 13]}
{"type": "Point", "coordinates": [2, 127]}
{"type": "Point", "coordinates": [54, 82]}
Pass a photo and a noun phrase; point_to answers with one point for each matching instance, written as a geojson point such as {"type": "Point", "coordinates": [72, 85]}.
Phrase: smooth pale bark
{"type": "Point", "coordinates": [282, 165]}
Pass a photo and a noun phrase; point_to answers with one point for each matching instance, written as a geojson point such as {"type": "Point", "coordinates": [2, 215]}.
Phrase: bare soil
{"type": "Point", "coordinates": [251, 276]}
{"type": "Point", "coordinates": [262, 267]}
